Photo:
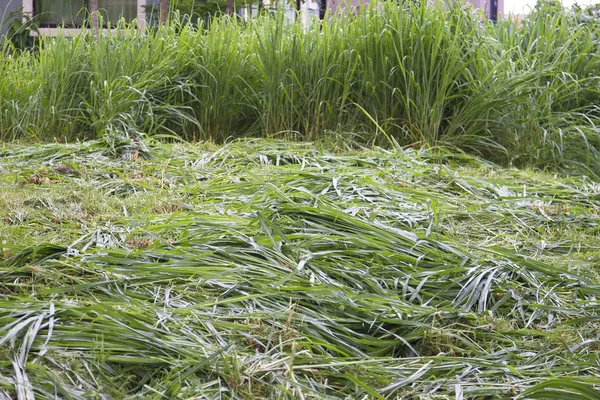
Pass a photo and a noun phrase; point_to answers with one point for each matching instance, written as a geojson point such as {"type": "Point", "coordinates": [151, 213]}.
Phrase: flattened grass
{"type": "Point", "coordinates": [266, 269]}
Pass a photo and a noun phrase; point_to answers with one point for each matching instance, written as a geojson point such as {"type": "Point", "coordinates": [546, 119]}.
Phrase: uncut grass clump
{"type": "Point", "coordinates": [423, 74]}
{"type": "Point", "coordinates": [390, 74]}
{"type": "Point", "coordinates": [558, 117]}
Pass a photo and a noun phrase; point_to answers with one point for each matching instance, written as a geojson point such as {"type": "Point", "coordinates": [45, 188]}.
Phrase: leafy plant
{"type": "Point", "coordinates": [20, 30]}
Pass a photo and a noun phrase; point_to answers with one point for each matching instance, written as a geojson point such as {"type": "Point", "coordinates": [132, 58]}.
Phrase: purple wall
{"type": "Point", "coordinates": [335, 6]}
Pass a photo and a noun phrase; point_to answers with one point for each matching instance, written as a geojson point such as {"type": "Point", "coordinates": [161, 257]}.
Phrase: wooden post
{"type": "Point", "coordinates": [164, 11]}
{"type": "Point", "coordinates": [230, 7]}
{"type": "Point", "coordinates": [94, 14]}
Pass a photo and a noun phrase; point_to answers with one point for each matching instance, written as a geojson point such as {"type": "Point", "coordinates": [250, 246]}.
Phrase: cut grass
{"type": "Point", "coordinates": [270, 269]}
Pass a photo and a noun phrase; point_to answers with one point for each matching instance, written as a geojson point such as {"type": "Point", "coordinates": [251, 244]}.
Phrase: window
{"type": "Point", "coordinates": [58, 12]}
{"type": "Point", "coordinates": [70, 15]}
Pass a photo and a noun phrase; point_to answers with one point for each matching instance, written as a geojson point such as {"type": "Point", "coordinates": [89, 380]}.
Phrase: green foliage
{"type": "Point", "coordinates": [190, 11]}
{"type": "Point", "coordinates": [19, 30]}
{"type": "Point", "coordinates": [589, 15]}
{"type": "Point", "coordinates": [395, 74]}
{"type": "Point", "coordinates": [198, 9]}
{"type": "Point", "coordinates": [196, 12]}
{"type": "Point", "coordinates": [548, 6]}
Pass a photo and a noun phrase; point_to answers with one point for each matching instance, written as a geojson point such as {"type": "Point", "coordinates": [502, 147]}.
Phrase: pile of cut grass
{"type": "Point", "coordinates": [267, 269]}
{"type": "Point", "coordinates": [427, 75]}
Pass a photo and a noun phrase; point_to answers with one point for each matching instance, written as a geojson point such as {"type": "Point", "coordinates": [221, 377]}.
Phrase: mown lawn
{"type": "Point", "coordinates": [270, 269]}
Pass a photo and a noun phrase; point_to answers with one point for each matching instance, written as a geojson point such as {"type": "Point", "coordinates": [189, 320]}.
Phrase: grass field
{"type": "Point", "coordinates": [334, 240]}
{"type": "Point", "coordinates": [272, 269]}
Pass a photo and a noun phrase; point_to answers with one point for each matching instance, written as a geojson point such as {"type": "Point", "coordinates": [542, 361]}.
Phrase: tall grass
{"type": "Point", "coordinates": [393, 74]}
{"type": "Point", "coordinates": [559, 119]}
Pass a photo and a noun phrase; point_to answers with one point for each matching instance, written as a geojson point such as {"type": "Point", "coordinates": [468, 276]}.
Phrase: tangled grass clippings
{"type": "Point", "coordinates": [273, 269]}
